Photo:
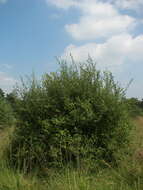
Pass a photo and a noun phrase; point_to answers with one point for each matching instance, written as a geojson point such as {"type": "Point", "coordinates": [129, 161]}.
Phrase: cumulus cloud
{"type": "Point", "coordinates": [129, 4]}
{"type": "Point", "coordinates": [123, 4]}
{"type": "Point", "coordinates": [115, 51]}
{"type": "Point", "coordinates": [98, 19]}
{"type": "Point", "coordinates": [96, 26]}
{"type": "Point", "coordinates": [102, 19]}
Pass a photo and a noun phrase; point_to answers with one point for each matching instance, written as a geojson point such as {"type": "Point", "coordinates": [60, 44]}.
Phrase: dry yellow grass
{"type": "Point", "coordinates": [138, 121]}
{"type": "Point", "coordinates": [138, 131]}
{"type": "Point", "coordinates": [136, 144]}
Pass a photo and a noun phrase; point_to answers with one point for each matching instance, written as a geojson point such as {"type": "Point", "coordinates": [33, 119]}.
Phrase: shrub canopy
{"type": "Point", "coordinates": [75, 114]}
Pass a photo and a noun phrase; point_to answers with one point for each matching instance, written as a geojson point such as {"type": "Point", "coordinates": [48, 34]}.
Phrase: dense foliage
{"type": "Point", "coordinates": [77, 115]}
{"type": "Point", "coordinates": [6, 112]}
{"type": "Point", "coordinates": [135, 106]}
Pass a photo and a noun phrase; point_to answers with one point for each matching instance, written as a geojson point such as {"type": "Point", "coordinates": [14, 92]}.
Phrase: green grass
{"type": "Point", "coordinates": [128, 176]}
{"type": "Point", "coordinates": [68, 180]}
{"type": "Point", "coordinates": [10, 180]}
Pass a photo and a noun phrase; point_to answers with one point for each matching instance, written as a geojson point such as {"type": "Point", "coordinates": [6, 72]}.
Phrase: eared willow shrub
{"type": "Point", "coordinates": [76, 115]}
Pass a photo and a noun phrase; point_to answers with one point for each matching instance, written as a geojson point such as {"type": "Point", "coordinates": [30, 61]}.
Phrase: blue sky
{"type": "Point", "coordinates": [34, 32]}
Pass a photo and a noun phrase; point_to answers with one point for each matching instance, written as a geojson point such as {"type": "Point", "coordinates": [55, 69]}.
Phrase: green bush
{"type": "Point", "coordinates": [77, 115]}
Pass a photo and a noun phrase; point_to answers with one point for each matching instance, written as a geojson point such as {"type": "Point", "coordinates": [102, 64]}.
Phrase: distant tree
{"type": "Point", "coordinates": [13, 100]}
{"type": "Point", "coordinates": [141, 104]}
{"type": "Point", "coordinates": [1, 93]}
{"type": "Point", "coordinates": [11, 97]}
{"type": "Point", "coordinates": [135, 106]}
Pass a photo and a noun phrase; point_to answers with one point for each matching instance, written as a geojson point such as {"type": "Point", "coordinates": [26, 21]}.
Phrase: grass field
{"type": "Point", "coordinates": [128, 176]}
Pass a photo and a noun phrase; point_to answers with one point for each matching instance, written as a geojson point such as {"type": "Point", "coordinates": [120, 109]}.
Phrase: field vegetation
{"type": "Point", "coordinates": [73, 130]}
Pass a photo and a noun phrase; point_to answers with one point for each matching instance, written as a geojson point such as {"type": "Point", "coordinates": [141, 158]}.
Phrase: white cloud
{"type": "Point", "coordinates": [98, 19]}
{"type": "Point", "coordinates": [94, 27]}
{"type": "Point", "coordinates": [102, 19]}
{"type": "Point", "coordinates": [123, 4]}
{"type": "Point", "coordinates": [114, 52]}
{"type": "Point", "coordinates": [129, 4]}
{"type": "Point", "coordinates": [6, 82]}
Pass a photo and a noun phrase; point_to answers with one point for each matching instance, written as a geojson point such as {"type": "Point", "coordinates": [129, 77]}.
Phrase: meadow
{"type": "Point", "coordinates": [74, 130]}
{"type": "Point", "coordinates": [127, 176]}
